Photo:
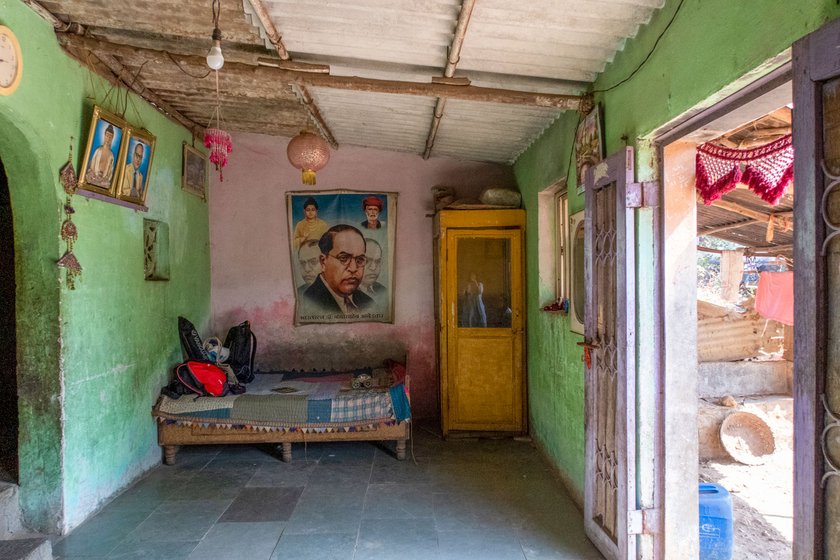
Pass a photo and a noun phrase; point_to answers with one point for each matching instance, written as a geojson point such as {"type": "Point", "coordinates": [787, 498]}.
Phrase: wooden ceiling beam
{"type": "Point", "coordinates": [726, 227]}
{"type": "Point", "coordinates": [451, 63]}
{"type": "Point", "coordinates": [119, 74]}
{"type": "Point", "coordinates": [305, 98]}
{"type": "Point", "coordinates": [781, 220]}
{"type": "Point", "coordinates": [752, 251]}
{"type": "Point", "coordinates": [276, 76]}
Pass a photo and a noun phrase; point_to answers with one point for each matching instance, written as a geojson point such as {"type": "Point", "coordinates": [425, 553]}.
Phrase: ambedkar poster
{"type": "Point", "coordinates": [342, 255]}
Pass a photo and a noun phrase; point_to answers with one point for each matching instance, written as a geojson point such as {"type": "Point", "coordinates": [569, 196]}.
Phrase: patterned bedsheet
{"type": "Point", "coordinates": [289, 400]}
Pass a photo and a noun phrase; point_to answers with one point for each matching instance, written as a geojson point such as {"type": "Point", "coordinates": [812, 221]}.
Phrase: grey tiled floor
{"type": "Point", "coordinates": [475, 499]}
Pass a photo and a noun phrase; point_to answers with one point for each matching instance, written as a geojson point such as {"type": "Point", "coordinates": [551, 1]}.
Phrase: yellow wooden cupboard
{"type": "Point", "coordinates": [481, 319]}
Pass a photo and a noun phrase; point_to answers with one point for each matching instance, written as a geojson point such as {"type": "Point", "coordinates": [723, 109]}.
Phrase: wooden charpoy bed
{"type": "Point", "coordinates": [290, 407]}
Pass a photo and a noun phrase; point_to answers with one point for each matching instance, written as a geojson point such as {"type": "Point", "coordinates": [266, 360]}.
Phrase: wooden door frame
{"type": "Point", "coordinates": [810, 335]}
{"type": "Point", "coordinates": [809, 291]}
{"type": "Point", "coordinates": [447, 221]}
{"type": "Point", "coordinates": [618, 169]}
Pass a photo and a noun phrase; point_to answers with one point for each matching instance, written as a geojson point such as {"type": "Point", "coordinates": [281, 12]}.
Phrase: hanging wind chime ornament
{"type": "Point", "coordinates": [309, 153]}
{"type": "Point", "coordinates": [216, 139]}
{"type": "Point", "coordinates": [69, 233]}
{"type": "Point", "coordinates": [220, 145]}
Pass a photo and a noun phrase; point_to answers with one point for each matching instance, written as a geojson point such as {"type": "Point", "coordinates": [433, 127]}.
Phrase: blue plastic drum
{"type": "Point", "coordinates": [715, 522]}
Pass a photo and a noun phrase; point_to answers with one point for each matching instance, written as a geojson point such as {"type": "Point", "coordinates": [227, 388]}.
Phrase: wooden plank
{"type": "Point", "coordinates": [781, 220]}
{"type": "Point", "coordinates": [277, 77]}
{"type": "Point", "coordinates": [727, 227]}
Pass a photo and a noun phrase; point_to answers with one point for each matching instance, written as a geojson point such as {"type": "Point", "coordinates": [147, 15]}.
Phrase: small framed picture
{"type": "Point", "coordinates": [194, 172]}
{"type": "Point", "coordinates": [100, 166]}
{"type": "Point", "coordinates": [135, 166]}
{"type": "Point", "coordinates": [589, 145]}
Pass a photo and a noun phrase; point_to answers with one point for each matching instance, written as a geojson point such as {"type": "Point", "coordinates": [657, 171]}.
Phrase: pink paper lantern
{"type": "Point", "coordinates": [309, 153]}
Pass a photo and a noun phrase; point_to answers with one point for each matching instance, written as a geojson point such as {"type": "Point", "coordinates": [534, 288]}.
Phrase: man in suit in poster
{"type": "Point", "coordinates": [132, 178]}
{"type": "Point", "coordinates": [336, 289]}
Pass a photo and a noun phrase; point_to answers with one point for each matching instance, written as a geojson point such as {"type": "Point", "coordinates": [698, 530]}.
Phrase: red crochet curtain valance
{"type": "Point", "coordinates": [768, 170]}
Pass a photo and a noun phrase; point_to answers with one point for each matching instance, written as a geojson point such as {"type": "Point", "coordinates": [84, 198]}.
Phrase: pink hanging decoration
{"type": "Point", "coordinates": [768, 170]}
{"type": "Point", "coordinates": [220, 146]}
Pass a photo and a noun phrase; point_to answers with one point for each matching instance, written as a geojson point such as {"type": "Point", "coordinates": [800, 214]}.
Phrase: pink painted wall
{"type": "Point", "coordinates": [249, 244]}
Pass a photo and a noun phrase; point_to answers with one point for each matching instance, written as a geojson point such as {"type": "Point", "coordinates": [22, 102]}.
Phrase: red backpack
{"type": "Point", "coordinates": [202, 378]}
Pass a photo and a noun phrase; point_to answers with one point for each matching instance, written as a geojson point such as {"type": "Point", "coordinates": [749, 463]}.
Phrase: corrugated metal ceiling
{"type": "Point", "coordinates": [544, 46]}
{"type": "Point", "coordinates": [533, 46]}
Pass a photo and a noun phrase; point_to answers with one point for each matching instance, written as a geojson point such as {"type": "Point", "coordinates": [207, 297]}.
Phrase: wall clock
{"type": "Point", "coordinates": [11, 61]}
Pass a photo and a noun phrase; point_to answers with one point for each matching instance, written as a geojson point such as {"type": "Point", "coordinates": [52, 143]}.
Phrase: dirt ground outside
{"type": "Point", "coordinates": [762, 504]}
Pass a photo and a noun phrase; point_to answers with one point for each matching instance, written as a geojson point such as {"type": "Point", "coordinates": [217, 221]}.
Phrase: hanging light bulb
{"type": "Point", "coordinates": [215, 58]}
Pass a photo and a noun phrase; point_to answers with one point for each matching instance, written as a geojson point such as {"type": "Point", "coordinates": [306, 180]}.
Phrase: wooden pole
{"type": "Point", "coordinates": [350, 83]}
{"type": "Point", "coordinates": [274, 36]}
{"type": "Point", "coordinates": [276, 39]}
{"type": "Point", "coordinates": [46, 14]}
{"type": "Point", "coordinates": [451, 62]}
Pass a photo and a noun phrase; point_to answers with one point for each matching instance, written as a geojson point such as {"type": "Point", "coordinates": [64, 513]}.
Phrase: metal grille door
{"type": "Point", "coordinates": [610, 357]}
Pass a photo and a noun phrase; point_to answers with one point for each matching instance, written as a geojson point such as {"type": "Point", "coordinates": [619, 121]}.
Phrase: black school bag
{"type": "Point", "coordinates": [191, 341]}
{"type": "Point", "coordinates": [242, 343]}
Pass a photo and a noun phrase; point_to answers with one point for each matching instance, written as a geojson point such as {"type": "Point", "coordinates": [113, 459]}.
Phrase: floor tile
{"type": "Point", "coordinates": [190, 523]}
{"type": "Point", "coordinates": [258, 453]}
{"type": "Point", "coordinates": [210, 507]}
{"type": "Point", "coordinates": [99, 535]}
{"type": "Point", "coordinates": [263, 504]}
{"type": "Point", "coordinates": [152, 550]}
{"type": "Point", "coordinates": [340, 473]}
{"type": "Point", "coordinates": [296, 473]}
{"type": "Point", "coordinates": [496, 545]}
{"type": "Point", "coordinates": [556, 545]}
{"type": "Point", "coordinates": [406, 539]}
{"type": "Point", "coordinates": [475, 499]}
{"type": "Point", "coordinates": [386, 501]}
{"type": "Point", "coordinates": [465, 512]}
{"type": "Point", "coordinates": [324, 520]}
{"type": "Point", "coordinates": [347, 453]}
{"type": "Point", "coordinates": [322, 546]}
{"type": "Point", "coordinates": [399, 471]}
{"type": "Point", "coordinates": [230, 541]}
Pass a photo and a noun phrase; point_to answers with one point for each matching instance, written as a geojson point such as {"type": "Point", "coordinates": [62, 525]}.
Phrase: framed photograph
{"type": "Point", "coordinates": [194, 172]}
{"type": "Point", "coordinates": [100, 166]}
{"type": "Point", "coordinates": [342, 246]}
{"type": "Point", "coordinates": [135, 166]}
{"type": "Point", "coordinates": [577, 288]}
{"type": "Point", "coordinates": [589, 145]}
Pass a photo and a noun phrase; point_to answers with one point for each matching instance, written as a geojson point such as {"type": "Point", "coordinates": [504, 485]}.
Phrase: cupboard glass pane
{"type": "Point", "coordinates": [484, 282]}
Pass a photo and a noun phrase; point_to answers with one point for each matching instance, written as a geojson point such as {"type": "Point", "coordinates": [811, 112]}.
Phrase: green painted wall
{"type": "Point", "coordinates": [711, 45]}
{"type": "Point", "coordinates": [91, 360]}
{"type": "Point", "coordinates": [555, 371]}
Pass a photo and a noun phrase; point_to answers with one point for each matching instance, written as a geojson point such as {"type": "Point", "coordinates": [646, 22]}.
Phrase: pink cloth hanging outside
{"type": "Point", "coordinates": [774, 297]}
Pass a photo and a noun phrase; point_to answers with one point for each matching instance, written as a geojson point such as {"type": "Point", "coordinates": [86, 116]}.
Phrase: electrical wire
{"type": "Point", "coordinates": [649, 54]}
{"type": "Point", "coordinates": [175, 62]}
{"type": "Point", "coordinates": [572, 150]}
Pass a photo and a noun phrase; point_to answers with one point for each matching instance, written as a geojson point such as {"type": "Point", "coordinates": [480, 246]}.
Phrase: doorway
{"type": "Point", "coordinates": [8, 339]}
{"type": "Point", "coordinates": [714, 255]}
